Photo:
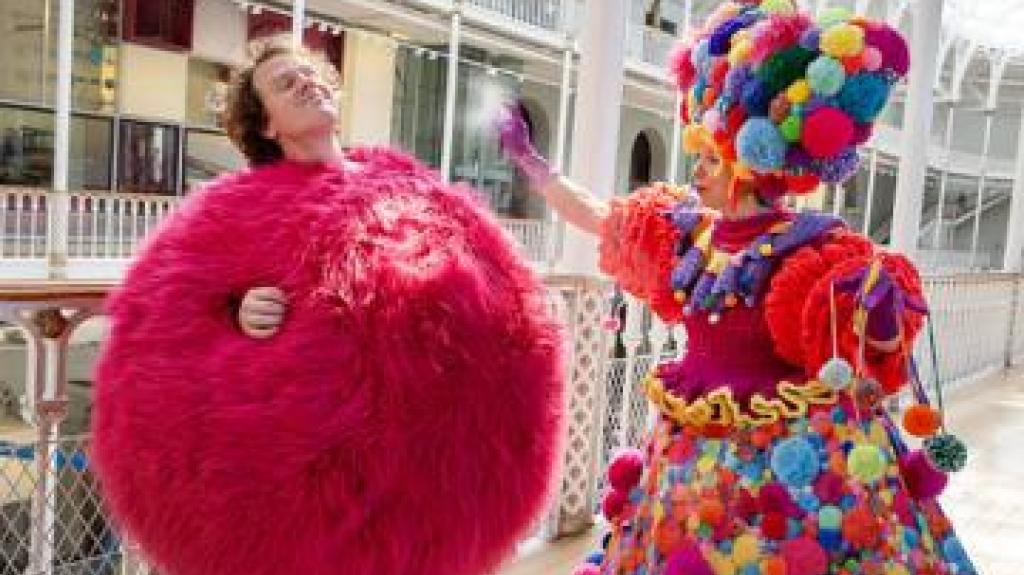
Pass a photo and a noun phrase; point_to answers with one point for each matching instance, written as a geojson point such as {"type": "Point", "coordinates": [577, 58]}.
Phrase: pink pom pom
{"type": "Point", "coordinates": [827, 131]}
{"type": "Point", "coordinates": [778, 32]}
{"type": "Point", "coordinates": [872, 59]}
{"type": "Point", "coordinates": [586, 569]}
{"type": "Point", "coordinates": [891, 45]}
{"type": "Point", "coordinates": [681, 68]}
{"type": "Point", "coordinates": [862, 133]}
{"type": "Point", "coordinates": [923, 481]}
{"type": "Point", "coordinates": [626, 469]}
{"type": "Point", "coordinates": [688, 561]}
{"type": "Point", "coordinates": [713, 120]}
{"type": "Point", "coordinates": [614, 504]}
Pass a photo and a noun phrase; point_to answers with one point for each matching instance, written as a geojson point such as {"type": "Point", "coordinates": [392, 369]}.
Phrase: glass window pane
{"type": "Point", "coordinates": [26, 147]}
{"type": "Point", "coordinates": [28, 52]}
{"type": "Point", "coordinates": [207, 90]}
{"type": "Point", "coordinates": [148, 158]}
{"type": "Point", "coordinates": [207, 155]}
{"type": "Point", "coordinates": [91, 148]}
{"type": "Point", "coordinates": [23, 44]}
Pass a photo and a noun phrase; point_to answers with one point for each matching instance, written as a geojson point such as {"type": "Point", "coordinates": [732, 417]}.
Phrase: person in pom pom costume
{"type": "Point", "coordinates": [771, 453]}
{"type": "Point", "coordinates": [331, 363]}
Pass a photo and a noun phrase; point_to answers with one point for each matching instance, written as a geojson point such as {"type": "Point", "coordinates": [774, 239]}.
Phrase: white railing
{"type": "Point", "coordinates": [105, 226]}
{"type": "Point", "coordinates": [101, 225]}
{"type": "Point", "coordinates": [22, 223]}
{"type": "Point", "coordinates": [539, 240]}
{"type": "Point", "coordinates": [546, 14]}
{"type": "Point", "coordinates": [657, 47]}
{"type": "Point", "coordinates": [952, 261]}
{"type": "Point", "coordinates": [649, 45]}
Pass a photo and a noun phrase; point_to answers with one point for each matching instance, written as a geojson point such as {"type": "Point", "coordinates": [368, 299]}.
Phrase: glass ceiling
{"type": "Point", "coordinates": [995, 24]}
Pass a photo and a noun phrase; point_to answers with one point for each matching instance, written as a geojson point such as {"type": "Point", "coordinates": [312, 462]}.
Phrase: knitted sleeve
{"type": "Point", "coordinates": [798, 308]}
{"type": "Point", "coordinates": [638, 246]}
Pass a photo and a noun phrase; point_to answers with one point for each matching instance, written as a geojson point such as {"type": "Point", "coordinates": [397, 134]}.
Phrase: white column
{"type": "Point", "coordinates": [870, 201]}
{"type": "Point", "coordinates": [298, 21]}
{"type": "Point", "coordinates": [906, 217]}
{"type": "Point", "coordinates": [1015, 227]}
{"type": "Point", "coordinates": [597, 119]}
{"type": "Point", "coordinates": [998, 65]}
{"type": "Point", "coordinates": [838, 199]}
{"type": "Point", "coordinates": [677, 131]}
{"type": "Point", "coordinates": [451, 91]}
{"type": "Point", "coordinates": [58, 202]}
{"type": "Point", "coordinates": [980, 201]}
{"type": "Point", "coordinates": [558, 162]}
{"type": "Point", "coordinates": [556, 234]}
{"type": "Point", "coordinates": [944, 177]}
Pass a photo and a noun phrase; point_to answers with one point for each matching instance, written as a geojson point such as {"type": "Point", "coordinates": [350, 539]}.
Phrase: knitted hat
{"type": "Point", "coordinates": [783, 97]}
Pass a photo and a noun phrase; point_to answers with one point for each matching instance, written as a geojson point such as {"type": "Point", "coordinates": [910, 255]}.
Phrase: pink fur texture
{"type": "Point", "coordinates": [405, 418]}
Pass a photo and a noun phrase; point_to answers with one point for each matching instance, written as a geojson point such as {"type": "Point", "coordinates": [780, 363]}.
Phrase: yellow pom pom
{"type": "Point", "coordinates": [745, 549]}
{"type": "Point", "coordinates": [798, 92]}
{"type": "Point", "coordinates": [740, 51]}
{"type": "Point", "coordinates": [680, 297]}
{"type": "Point", "coordinates": [765, 250]}
{"type": "Point", "coordinates": [843, 40]}
{"type": "Point", "coordinates": [695, 137]}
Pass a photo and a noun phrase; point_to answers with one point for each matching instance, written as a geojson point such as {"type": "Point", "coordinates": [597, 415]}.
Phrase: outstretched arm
{"type": "Point", "coordinates": [570, 201]}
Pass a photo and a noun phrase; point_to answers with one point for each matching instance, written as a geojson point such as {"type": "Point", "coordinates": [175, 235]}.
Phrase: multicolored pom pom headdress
{"type": "Point", "coordinates": [784, 98]}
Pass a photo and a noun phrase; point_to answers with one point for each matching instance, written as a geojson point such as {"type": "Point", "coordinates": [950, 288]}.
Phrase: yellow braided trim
{"type": "Point", "coordinates": [719, 407]}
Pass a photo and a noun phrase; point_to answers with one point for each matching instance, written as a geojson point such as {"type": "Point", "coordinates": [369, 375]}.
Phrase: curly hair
{"type": "Point", "coordinates": [244, 117]}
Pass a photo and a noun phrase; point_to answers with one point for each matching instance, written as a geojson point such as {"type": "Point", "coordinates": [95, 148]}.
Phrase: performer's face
{"type": "Point", "coordinates": [711, 178]}
{"type": "Point", "coordinates": [298, 101]}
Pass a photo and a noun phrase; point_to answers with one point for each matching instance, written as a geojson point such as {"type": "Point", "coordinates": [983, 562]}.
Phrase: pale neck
{"type": "Point", "coordinates": [325, 149]}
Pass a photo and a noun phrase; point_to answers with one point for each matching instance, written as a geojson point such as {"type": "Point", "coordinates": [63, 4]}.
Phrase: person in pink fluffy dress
{"type": "Point", "coordinates": [401, 417]}
{"type": "Point", "coordinates": [772, 453]}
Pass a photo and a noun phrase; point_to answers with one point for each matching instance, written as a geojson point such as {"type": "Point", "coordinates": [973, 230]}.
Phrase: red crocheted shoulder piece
{"type": "Point", "coordinates": [638, 246]}
{"type": "Point", "coordinates": [797, 307]}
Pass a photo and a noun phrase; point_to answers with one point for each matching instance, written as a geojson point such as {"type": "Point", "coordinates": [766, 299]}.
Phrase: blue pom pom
{"type": "Point", "coordinates": [831, 539]}
{"type": "Point", "coordinates": [735, 81]}
{"type": "Point", "coordinates": [718, 43]}
{"type": "Point", "coordinates": [838, 169]}
{"type": "Point", "coordinates": [756, 98]}
{"type": "Point", "coordinates": [795, 462]}
{"type": "Point", "coordinates": [596, 558]}
{"type": "Point", "coordinates": [810, 39]}
{"type": "Point", "coordinates": [760, 145]}
{"type": "Point", "coordinates": [864, 96]}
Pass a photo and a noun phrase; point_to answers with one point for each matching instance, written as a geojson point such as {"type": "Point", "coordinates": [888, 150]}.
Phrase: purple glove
{"type": "Point", "coordinates": [515, 140]}
{"type": "Point", "coordinates": [884, 300]}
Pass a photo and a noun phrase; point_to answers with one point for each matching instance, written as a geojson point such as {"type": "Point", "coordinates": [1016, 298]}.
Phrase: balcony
{"type": "Point", "coordinates": [545, 14]}
{"type": "Point", "coordinates": [105, 230]}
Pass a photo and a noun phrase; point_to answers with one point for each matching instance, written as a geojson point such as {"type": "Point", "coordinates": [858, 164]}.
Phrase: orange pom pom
{"type": "Point", "coordinates": [921, 421]}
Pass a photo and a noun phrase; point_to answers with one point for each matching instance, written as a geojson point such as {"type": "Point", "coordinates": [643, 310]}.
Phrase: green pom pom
{"type": "Point", "coordinates": [833, 16]}
{"type": "Point", "coordinates": [830, 517]}
{"type": "Point", "coordinates": [946, 452]}
{"type": "Point", "coordinates": [781, 69]}
{"type": "Point", "coordinates": [866, 463]}
{"type": "Point", "coordinates": [826, 76]}
{"type": "Point", "coordinates": [791, 128]}
{"type": "Point", "coordinates": [778, 7]}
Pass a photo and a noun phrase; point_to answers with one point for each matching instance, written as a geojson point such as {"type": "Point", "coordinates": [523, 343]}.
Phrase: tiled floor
{"type": "Point", "coordinates": [985, 501]}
